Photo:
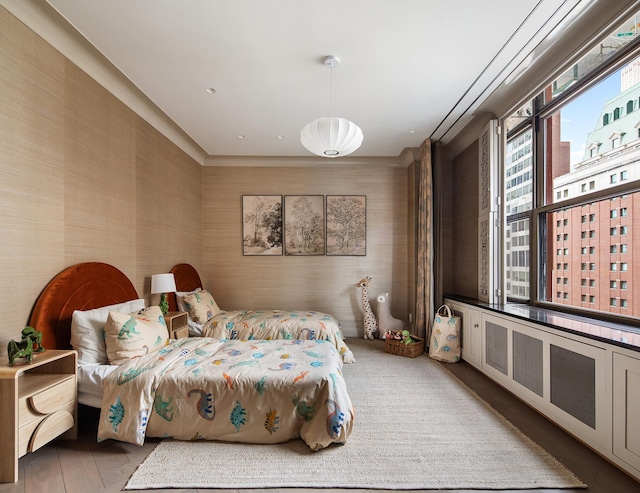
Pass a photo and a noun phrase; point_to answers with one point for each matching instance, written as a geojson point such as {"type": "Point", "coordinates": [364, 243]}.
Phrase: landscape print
{"type": "Point", "coordinates": [346, 225]}
{"type": "Point", "coordinates": [262, 224]}
{"type": "Point", "coordinates": [304, 224]}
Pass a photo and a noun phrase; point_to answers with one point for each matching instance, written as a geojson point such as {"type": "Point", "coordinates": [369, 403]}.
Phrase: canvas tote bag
{"type": "Point", "coordinates": [445, 336]}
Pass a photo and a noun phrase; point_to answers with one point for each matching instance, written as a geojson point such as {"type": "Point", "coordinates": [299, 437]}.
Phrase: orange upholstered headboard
{"type": "Point", "coordinates": [187, 279]}
{"type": "Point", "coordinates": [80, 287]}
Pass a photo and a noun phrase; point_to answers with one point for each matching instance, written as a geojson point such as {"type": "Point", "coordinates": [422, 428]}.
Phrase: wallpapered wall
{"type": "Point", "coordinates": [83, 178]}
{"type": "Point", "coordinates": [325, 283]}
{"type": "Point", "coordinates": [461, 188]}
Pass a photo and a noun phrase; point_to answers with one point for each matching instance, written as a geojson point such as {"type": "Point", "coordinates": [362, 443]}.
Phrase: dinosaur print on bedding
{"type": "Point", "coordinates": [231, 390]}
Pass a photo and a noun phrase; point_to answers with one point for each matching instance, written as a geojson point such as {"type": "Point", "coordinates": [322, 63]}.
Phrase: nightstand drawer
{"type": "Point", "coordinates": [27, 431]}
{"type": "Point", "coordinates": [177, 324]}
{"type": "Point", "coordinates": [180, 333]}
{"type": "Point", "coordinates": [46, 401]}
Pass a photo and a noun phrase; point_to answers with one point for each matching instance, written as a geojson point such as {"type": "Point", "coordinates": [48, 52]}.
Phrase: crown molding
{"type": "Point", "coordinates": [47, 23]}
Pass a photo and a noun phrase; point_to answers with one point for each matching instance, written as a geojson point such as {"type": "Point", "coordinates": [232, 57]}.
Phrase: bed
{"type": "Point", "coordinates": [193, 388]}
{"type": "Point", "coordinates": [207, 319]}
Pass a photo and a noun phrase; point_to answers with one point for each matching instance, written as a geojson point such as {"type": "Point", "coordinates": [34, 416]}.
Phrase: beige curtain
{"type": "Point", "coordinates": [424, 267]}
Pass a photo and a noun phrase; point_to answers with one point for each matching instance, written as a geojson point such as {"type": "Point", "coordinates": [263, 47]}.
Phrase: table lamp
{"type": "Point", "coordinates": [163, 284]}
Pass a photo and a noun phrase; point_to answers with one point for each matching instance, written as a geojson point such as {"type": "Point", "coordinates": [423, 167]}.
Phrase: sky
{"type": "Point", "coordinates": [581, 116]}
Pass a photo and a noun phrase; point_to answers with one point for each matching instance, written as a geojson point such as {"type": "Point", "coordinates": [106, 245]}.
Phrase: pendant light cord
{"type": "Point", "coordinates": [331, 91]}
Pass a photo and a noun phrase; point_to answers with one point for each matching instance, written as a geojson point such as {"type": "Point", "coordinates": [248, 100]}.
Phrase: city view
{"type": "Point", "coordinates": [586, 249]}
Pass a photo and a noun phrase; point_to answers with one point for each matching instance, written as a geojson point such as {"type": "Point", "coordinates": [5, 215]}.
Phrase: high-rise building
{"type": "Point", "coordinates": [593, 244]}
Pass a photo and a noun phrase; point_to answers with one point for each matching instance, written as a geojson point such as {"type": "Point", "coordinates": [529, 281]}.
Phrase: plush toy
{"type": "Point", "coordinates": [386, 322]}
{"type": "Point", "coordinates": [370, 323]}
{"type": "Point", "coordinates": [31, 341]}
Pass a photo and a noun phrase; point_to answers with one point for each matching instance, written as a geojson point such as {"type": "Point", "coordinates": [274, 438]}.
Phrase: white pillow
{"type": "Point", "coordinates": [134, 335]}
{"type": "Point", "coordinates": [180, 299]}
{"type": "Point", "coordinates": [87, 331]}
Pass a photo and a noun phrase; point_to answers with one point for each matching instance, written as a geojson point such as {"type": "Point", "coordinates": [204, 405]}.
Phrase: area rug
{"type": "Point", "coordinates": [416, 427]}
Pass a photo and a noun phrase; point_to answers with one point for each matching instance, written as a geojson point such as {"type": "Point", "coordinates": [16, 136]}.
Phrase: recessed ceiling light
{"type": "Point", "coordinates": [412, 131]}
{"type": "Point", "coordinates": [280, 137]}
{"type": "Point", "coordinates": [211, 90]}
{"type": "Point", "coordinates": [241, 136]}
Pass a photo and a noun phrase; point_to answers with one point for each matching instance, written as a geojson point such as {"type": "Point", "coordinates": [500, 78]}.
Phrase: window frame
{"type": "Point", "coordinates": [540, 208]}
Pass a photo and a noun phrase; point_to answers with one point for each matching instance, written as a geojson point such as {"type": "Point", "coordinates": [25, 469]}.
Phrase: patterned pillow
{"type": "Point", "coordinates": [136, 334]}
{"type": "Point", "coordinates": [201, 306]}
{"type": "Point", "coordinates": [87, 331]}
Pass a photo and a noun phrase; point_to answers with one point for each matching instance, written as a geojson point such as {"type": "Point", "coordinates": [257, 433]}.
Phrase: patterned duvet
{"type": "Point", "coordinates": [278, 324]}
{"type": "Point", "coordinates": [239, 391]}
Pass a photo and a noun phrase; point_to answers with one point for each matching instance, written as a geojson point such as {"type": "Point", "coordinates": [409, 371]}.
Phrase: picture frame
{"type": "Point", "coordinates": [304, 225]}
{"type": "Point", "coordinates": [262, 225]}
{"type": "Point", "coordinates": [346, 225]}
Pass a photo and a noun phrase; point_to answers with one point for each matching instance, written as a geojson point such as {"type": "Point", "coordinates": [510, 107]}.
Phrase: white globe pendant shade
{"type": "Point", "coordinates": [331, 137]}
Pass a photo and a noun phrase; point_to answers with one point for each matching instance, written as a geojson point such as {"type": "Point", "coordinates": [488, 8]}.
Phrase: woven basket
{"type": "Point", "coordinates": [410, 350]}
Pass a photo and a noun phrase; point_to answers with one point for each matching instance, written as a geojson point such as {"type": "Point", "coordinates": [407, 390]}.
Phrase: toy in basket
{"type": "Point", "coordinates": [403, 343]}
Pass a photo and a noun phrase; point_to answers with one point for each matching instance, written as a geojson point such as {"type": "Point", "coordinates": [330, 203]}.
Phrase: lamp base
{"type": "Point", "coordinates": [164, 304]}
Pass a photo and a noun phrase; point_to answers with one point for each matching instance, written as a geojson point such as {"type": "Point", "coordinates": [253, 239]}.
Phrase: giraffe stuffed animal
{"type": "Point", "coordinates": [370, 323]}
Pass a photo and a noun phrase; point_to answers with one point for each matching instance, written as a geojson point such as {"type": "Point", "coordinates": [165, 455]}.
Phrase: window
{"type": "Point", "coordinates": [623, 303]}
{"type": "Point", "coordinates": [623, 248]}
{"type": "Point", "coordinates": [613, 302]}
{"type": "Point", "coordinates": [572, 173]}
{"type": "Point", "coordinates": [623, 284]}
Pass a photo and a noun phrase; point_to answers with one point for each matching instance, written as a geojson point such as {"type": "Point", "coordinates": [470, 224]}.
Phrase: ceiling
{"type": "Point", "coordinates": [409, 69]}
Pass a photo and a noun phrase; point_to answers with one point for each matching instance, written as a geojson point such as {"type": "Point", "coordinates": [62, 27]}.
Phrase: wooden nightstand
{"type": "Point", "coordinates": [177, 323]}
{"type": "Point", "coordinates": [38, 402]}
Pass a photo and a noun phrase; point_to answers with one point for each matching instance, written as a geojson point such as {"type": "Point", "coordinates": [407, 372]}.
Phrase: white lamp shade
{"type": "Point", "coordinates": [163, 283]}
{"type": "Point", "coordinates": [331, 136]}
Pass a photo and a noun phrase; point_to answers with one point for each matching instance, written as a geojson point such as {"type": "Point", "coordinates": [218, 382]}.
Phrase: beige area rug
{"type": "Point", "coordinates": [416, 427]}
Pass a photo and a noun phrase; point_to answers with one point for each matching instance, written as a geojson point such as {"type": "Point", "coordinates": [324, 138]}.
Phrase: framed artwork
{"type": "Point", "coordinates": [262, 225]}
{"type": "Point", "coordinates": [304, 225]}
{"type": "Point", "coordinates": [346, 225]}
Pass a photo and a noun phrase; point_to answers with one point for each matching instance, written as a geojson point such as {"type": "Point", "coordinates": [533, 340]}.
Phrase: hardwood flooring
{"type": "Point", "coordinates": [85, 466]}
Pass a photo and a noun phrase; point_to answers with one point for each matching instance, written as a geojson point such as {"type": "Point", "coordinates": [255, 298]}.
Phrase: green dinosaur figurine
{"type": "Point", "coordinates": [31, 341]}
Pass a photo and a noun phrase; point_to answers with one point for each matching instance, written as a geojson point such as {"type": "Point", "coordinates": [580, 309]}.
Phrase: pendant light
{"type": "Point", "coordinates": [331, 136]}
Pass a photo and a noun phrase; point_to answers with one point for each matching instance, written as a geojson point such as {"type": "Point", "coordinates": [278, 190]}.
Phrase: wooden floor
{"type": "Point", "coordinates": [85, 466]}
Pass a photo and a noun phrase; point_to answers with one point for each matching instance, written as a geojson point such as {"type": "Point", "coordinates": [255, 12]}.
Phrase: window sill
{"type": "Point", "coordinates": [622, 335]}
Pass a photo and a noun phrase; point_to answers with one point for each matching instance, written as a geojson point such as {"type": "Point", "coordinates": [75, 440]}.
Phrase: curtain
{"type": "Point", "coordinates": [424, 249]}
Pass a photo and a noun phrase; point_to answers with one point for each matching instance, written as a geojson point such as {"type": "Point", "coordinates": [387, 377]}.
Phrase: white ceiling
{"type": "Point", "coordinates": [410, 69]}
